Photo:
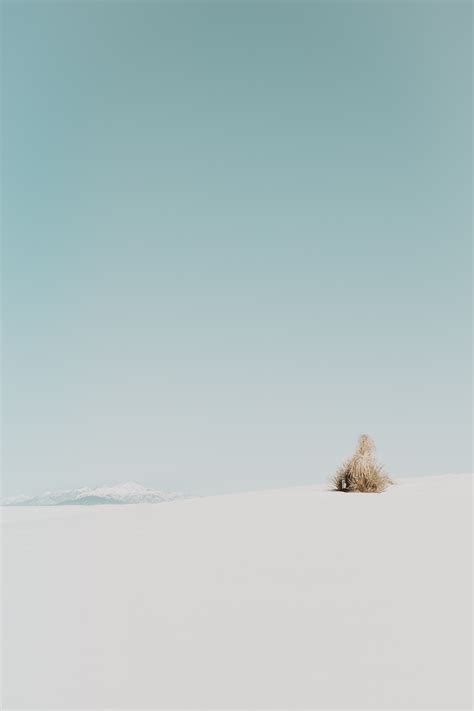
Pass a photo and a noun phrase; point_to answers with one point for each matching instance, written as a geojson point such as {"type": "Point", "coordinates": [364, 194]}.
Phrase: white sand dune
{"type": "Point", "coordinates": [296, 598]}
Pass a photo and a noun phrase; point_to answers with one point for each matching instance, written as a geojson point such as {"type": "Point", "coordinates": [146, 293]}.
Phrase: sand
{"type": "Point", "coordinates": [293, 598]}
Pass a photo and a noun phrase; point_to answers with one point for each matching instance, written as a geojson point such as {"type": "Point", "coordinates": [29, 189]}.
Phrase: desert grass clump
{"type": "Point", "coordinates": [362, 472]}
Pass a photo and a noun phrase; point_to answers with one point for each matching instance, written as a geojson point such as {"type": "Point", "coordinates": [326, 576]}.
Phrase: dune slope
{"type": "Point", "coordinates": [296, 598]}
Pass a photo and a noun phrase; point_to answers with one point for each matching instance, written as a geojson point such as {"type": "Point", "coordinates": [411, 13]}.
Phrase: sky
{"type": "Point", "coordinates": [236, 235]}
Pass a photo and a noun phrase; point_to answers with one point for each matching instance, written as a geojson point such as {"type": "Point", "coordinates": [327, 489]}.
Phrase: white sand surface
{"type": "Point", "coordinates": [294, 598]}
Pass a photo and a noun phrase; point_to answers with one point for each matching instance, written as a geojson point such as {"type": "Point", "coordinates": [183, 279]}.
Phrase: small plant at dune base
{"type": "Point", "coordinates": [362, 472]}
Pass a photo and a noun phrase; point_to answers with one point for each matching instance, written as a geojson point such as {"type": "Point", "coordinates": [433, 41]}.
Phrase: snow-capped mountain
{"type": "Point", "coordinates": [128, 493]}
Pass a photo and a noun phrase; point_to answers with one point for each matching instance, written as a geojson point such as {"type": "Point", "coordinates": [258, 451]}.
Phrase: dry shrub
{"type": "Point", "coordinates": [362, 472]}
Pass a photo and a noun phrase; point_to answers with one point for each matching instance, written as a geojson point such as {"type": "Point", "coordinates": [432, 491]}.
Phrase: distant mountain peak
{"type": "Point", "coordinates": [129, 492]}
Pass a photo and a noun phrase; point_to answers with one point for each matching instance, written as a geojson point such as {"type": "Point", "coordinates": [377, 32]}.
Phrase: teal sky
{"type": "Point", "coordinates": [235, 236]}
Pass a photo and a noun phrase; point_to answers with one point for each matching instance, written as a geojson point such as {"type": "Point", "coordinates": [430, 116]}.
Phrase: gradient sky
{"type": "Point", "coordinates": [235, 236]}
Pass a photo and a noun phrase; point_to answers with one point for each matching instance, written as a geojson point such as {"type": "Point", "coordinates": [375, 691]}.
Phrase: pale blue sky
{"type": "Point", "coordinates": [235, 235]}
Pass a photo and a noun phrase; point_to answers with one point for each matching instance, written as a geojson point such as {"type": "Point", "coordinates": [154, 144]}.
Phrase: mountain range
{"type": "Point", "coordinates": [128, 493]}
